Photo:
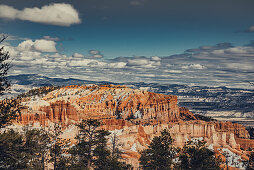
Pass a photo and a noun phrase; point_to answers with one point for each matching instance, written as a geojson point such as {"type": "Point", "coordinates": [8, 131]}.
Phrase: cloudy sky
{"type": "Point", "coordinates": [193, 42]}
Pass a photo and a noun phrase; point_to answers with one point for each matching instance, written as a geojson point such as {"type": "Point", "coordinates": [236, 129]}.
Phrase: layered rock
{"type": "Point", "coordinates": [106, 101]}
{"type": "Point", "coordinates": [237, 129]}
{"type": "Point", "coordinates": [135, 116]}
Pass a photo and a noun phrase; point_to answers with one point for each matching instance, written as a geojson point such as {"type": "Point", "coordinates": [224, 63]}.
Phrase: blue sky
{"type": "Point", "coordinates": [135, 30]}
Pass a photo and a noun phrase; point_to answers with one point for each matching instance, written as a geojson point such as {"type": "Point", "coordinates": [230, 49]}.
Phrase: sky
{"type": "Point", "coordinates": [192, 42]}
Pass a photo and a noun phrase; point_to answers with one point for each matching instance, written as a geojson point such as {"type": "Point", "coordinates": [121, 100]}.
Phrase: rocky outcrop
{"type": "Point", "coordinates": [59, 112]}
{"type": "Point", "coordinates": [135, 116]}
{"type": "Point", "coordinates": [237, 129]}
{"type": "Point", "coordinates": [245, 144]}
{"type": "Point", "coordinates": [108, 101]}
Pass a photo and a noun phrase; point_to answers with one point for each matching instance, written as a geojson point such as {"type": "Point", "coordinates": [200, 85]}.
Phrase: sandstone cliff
{"type": "Point", "coordinates": [135, 116]}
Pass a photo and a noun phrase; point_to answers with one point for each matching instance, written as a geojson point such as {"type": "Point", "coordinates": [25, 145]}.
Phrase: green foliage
{"type": "Point", "coordinates": [160, 154]}
{"type": "Point", "coordinates": [41, 91]}
{"type": "Point", "coordinates": [195, 155]}
{"type": "Point", "coordinates": [36, 146]}
{"type": "Point", "coordinates": [9, 110]}
{"type": "Point", "coordinates": [251, 131]}
{"type": "Point", "coordinates": [251, 162]}
{"type": "Point", "coordinates": [91, 150]}
{"type": "Point", "coordinates": [58, 149]}
{"type": "Point", "coordinates": [4, 67]}
{"type": "Point", "coordinates": [12, 155]}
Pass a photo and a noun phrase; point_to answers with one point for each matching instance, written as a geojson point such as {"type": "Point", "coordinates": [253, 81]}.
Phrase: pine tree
{"type": "Point", "coordinates": [58, 148]}
{"type": "Point", "coordinates": [12, 155]}
{"type": "Point", "coordinates": [37, 148]}
{"type": "Point", "coordinates": [251, 162]}
{"type": "Point", "coordinates": [91, 151]}
{"type": "Point", "coordinates": [83, 151]}
{"type": "Point", "coordinates": [195, 155]}
{"type": "Point", "coordinates": [9, 109]}
{"type": "Point", "coordinates": [160, 154]}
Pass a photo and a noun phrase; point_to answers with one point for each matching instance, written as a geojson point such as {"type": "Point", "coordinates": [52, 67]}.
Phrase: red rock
{"type": "Point", "coordinates": [141, 116]}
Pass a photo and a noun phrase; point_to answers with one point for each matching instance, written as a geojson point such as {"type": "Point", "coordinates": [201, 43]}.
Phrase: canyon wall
{"type": "Point", "coordinates": [135, 116]}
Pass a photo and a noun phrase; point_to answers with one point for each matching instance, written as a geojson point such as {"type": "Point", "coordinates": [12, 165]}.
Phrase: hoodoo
{"type": "Point", "coordinates": [135, 116]}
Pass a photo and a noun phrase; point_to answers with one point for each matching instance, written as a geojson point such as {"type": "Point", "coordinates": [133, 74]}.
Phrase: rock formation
{"type": "Point", "coordinates": [136, 116]}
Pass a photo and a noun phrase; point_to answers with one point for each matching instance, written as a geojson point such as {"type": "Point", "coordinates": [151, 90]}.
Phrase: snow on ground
{"type": "Point", "coordinates": [233, 159]}
{"type": "Point", "coordinates": [117, 132]}
{"type": "Point", "coordinates": [138, 114]}
{"type": "Point", "coordinates": [210, 147]}
{"type": "Point", "coordinates": [134, 147]}
{"type": "Point", "coordinates": [35, 101]}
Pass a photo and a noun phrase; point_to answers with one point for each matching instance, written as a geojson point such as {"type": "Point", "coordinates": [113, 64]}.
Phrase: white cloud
{"type": "Point", "coordinates": [138, 62]}
{"type": "Point", "coordinates": [39, 45]}
{"type": "Point", "coordinates": [155, 58]}
{"type": "Point", "coordinates": [26, 45]}
{"type": "Point", "coordinates": [45, 46]}
{"type": "Point", "coordinates": [94, 52]}
{"type": "Point", "coordinates": [220, 65]}
{"type": "Point", "coordinates": [117, 65]}
{"type": "Point", "coordinates": [143, 62]}
{"type": "Point", "coordinates": [8, 12]}
{"type": "Point", "coordinates": [173, 71]}
{"type": "Point", "coordinates": [60, 14]}
{"type": "Point", "coordinates": [77, 55]}
{"type": "Point", "coordinates": [97, 56]}
{"type": "Point", "coordinates": [193, 66]}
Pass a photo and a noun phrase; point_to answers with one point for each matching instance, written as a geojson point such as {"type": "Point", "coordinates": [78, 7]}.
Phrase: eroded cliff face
{"type": "Point", "coordinates": [135, 116]}
{"type": "Point", "coordinates": [237, 129]}
{"type": "Point", "coordinates": [80, 102]}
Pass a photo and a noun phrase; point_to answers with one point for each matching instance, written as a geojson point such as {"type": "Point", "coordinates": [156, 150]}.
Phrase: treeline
{"type": "Point", "coordinates": [45, 149]}
{"type": "Point", "coordinates": [41, 91]}
{"type": "Point", "coordinates": [161, 155]}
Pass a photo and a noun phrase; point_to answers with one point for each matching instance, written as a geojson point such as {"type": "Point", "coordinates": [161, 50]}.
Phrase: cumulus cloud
{"type": "Point", "coordinates": [60, 14]}
{"type": "Point", "coordinates": [143, 62]}
{"type": "Point", "coordinates": [78, 55]}
{"type": "Point", "coordinates": [218, 65]}
{"type": "Point", "coordinates": [193, 66]}
{"type": "Point", "coordinates": [95, 54]}
{"type": "Point", "coordinates": [38, 45]}
{"type": "Point", "coordinates": [155, 58]}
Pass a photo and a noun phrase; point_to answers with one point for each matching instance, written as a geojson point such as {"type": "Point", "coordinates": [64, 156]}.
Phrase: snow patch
{"type": "Point", "coordinates": [138, 114]}
{"type": "Point", "coordinates": [134, 147]}
{"type": "Point", "coordinates": [233, 159]}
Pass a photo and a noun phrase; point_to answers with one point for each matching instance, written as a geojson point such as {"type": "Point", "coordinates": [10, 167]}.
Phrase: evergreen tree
{"type": "Point", "coordinates": [195, 155]}
{"type": "Point", "coordinates": [12, 153]}
{"type": "Point", "coordinates": [83, 151]}
{"type": "Point", "coordinates": [114, 147]}
{"type": "Point", "coordinates": [160, 154]}
{"type": "Point", "coordinates": [37, 148]}
{"type": "Point", "coordinates": [91, 151]}
{"type": "Point", "coordinates": [8, 108]}
{"type": "Point", "coordinates": [251, 162]}
{"type": "Point", "coordinates": [58, 149]}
